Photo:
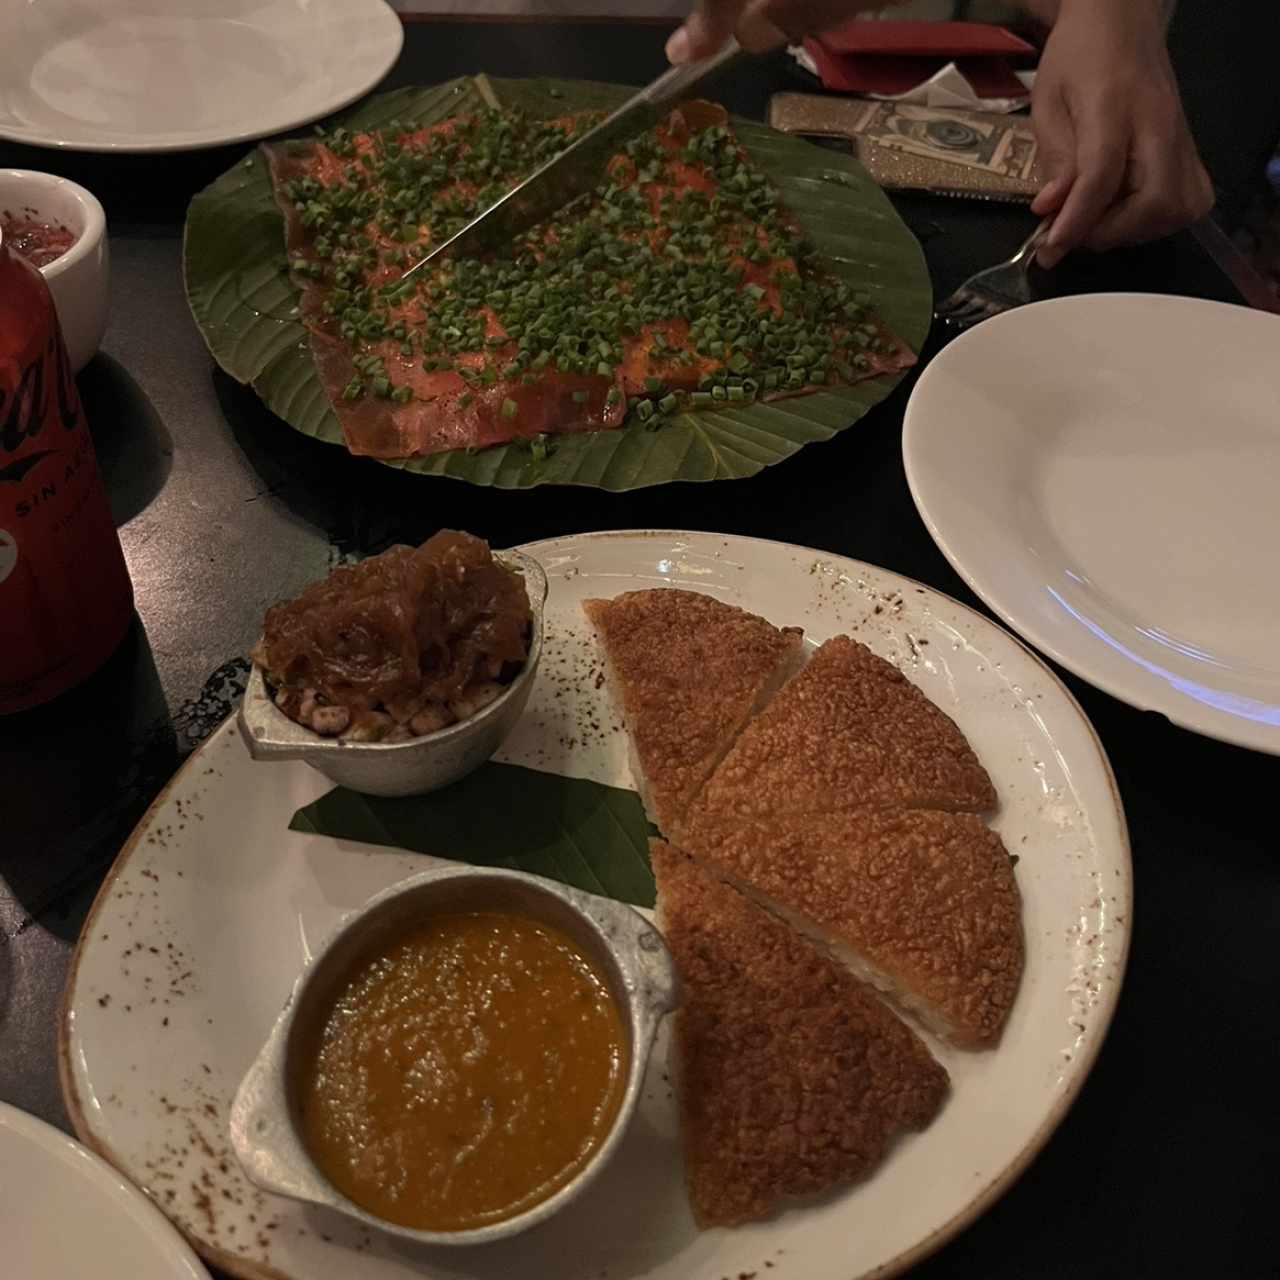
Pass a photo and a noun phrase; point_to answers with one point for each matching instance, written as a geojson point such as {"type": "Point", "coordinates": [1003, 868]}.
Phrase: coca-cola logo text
{"type": "Point", "coordinates": [43, 393]}
{"type": "Point", "coordinates": [16, 472]}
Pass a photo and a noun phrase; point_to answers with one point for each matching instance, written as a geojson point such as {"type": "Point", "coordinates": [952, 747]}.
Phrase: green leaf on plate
{"type": "Point", "coordinates": [243, 301]}
{"type": "Point", "coordinates": [580, 833]}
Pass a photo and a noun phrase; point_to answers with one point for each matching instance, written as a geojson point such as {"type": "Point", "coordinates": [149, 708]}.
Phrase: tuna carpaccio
{"type": "Point", "coordinates": [681, 283]}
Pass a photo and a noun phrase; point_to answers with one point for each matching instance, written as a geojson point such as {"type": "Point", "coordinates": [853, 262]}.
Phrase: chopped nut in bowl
{"type": "Point", "coordinates": [400, 674]}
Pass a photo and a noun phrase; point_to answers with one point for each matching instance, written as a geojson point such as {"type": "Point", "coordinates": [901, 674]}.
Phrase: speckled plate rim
{"type": "Point", "coordinates": [66, 1080]}
{"type": "Point", "coordinates": [1019, 1165]}
{"type": "Point", "coordinates": [979, 1202]}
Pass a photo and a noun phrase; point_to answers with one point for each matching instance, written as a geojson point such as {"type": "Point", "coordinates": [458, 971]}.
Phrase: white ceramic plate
{"type": "Point", "coordinates": [169, 75]}
{"type": "Point", "coordinates": [1104, 472]}
{"type": "Point", "coordinates": [213, 906]}
{"type": "Point", "coordinates": [64, 1212]}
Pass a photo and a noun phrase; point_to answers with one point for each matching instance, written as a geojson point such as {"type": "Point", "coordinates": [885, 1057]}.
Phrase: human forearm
{"type": "Point", "coordinates": [1118, 157]}
{"type": "Point", "coordinates": [759, 24]}
{"type": "Point", "coordinates": [1047, 11]}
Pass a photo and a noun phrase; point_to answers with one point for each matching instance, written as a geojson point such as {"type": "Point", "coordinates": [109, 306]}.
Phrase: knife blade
{"type": "Point", "coordinates": [578, 168]}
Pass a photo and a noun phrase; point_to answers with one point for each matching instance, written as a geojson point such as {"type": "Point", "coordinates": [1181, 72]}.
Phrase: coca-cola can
{"type": "Point", "coordinates": [65, 596]}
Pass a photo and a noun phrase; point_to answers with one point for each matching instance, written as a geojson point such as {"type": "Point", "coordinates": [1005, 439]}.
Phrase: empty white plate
{"type": "Point", "coordinates": [168, 75]}
{"type": "Point", "coordinates": [1104, 471]}
{"type": "Point", "coordinates": [65, 1213]}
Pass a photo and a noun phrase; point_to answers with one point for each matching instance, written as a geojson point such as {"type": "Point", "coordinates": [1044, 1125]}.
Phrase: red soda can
{"type": "Point", "coordinates": [65, 596]}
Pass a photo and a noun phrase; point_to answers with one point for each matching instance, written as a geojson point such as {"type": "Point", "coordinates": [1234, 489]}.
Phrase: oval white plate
{"type": "Point", "coordinates": [1104, 472]}
{"type": "Point", "coordinates": [64, 1212]}
{"type": "Point", "coordinates": [213, 906]}
{"type": "Point", "coordinates": [168, 75]}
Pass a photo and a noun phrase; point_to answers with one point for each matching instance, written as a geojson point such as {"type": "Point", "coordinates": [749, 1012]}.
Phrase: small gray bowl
{"type": "Point", "coordinates": [266, 1131]}
{"type": "Point", "coordinates": [411, 768]}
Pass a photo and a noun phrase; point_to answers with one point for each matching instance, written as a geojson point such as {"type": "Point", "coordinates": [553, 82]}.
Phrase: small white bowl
{"type": "Point", "coordinates": [265, 1128]}
{"type": "Point", "coordinates": [418, 765]}
{"type": "Point", "coordinates": [78, 279]}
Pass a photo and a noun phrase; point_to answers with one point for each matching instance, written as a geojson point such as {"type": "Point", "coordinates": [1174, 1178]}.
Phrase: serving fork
{"type": "Point", "coordinates": [995, 289]}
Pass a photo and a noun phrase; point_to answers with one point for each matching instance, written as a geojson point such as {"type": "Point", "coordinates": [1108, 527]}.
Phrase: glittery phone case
{"type": "Point", "coordinates": [969, 154]}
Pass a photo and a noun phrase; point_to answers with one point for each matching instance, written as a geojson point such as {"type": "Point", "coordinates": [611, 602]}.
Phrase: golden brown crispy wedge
{"type": "Point", "coordinates": [793, 1076]}
{"type": "Point", "coordinates": [851, 731]}
{"type": "Point", "coordinates": [922, 904]}
{"type": "Point", "coordinates": [686, 672]}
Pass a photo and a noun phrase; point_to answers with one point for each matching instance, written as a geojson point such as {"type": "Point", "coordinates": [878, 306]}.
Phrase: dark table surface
{"type": "Point", "coordinates": [1168, 1163]}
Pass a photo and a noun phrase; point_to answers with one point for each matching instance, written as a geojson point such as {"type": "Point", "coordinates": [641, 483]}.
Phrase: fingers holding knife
{"type": "Point", "coordinates": [760, 25]}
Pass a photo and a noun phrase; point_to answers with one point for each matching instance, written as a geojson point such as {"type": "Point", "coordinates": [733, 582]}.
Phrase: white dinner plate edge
{"type": "Point", "coordinates": [108, 1173]}
{"type": "Point", "coordinates": [33, 138]}
{"type": "Point", "coordinates": [1028, 633]}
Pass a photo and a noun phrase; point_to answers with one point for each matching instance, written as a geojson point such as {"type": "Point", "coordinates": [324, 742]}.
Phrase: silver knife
{"type": "Point", "coordinates": [577, 169]}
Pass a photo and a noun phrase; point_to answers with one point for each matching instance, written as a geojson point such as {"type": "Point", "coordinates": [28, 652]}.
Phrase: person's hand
{"type": "Point", "coordinates": [759, 25]}
{"type": "Point", "coordinates": [1121, 162]}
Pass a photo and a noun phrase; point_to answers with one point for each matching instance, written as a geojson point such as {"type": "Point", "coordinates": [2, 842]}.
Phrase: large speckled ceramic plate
{"type": "Point", "coordinates": [214, 905]}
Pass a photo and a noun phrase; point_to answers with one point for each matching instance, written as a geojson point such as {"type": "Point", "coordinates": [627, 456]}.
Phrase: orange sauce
{"type": "Point", "coordinates": [466, 1071]}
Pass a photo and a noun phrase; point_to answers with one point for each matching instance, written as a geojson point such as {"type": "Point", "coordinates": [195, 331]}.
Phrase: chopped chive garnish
{"type": "Point", "coordinates": [576, 294]}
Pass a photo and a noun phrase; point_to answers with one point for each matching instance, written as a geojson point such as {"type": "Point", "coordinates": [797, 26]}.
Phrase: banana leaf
{"type": "Point", "coordinates": [568, 829]}
{"type": "Point", "coordinates": [245, 305]}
